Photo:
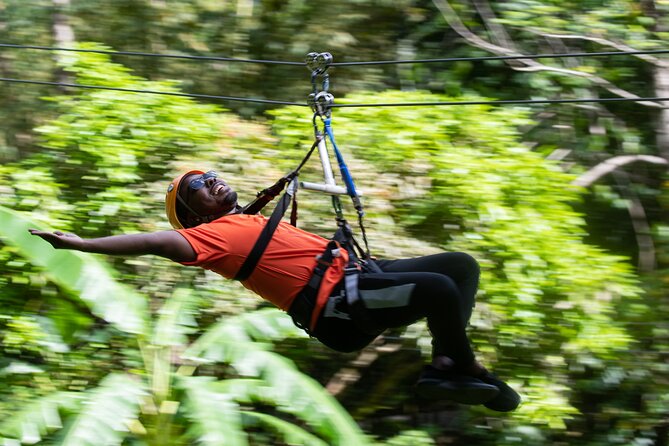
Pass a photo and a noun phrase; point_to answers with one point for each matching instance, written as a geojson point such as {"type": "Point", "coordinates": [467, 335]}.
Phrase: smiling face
{"type": "Point", "coordinates": [208, 196]}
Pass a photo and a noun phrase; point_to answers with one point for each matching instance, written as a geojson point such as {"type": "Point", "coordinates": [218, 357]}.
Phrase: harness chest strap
{"type": "Point", "coordinates": [266, 233]}
{"type": "Point", "coordinates": [256, 206]}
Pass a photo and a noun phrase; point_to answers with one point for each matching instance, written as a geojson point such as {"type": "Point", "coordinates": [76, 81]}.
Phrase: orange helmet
{"type": "Point", "coordinates": [171, 199]}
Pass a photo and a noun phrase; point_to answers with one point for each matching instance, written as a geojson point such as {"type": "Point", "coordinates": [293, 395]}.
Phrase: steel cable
{"type": "Point", "coordinates": [168, 93]}
{"type": "Point", "coordinates": [301, 104]}
{"type": "Point", "coordinates": [339, 64]}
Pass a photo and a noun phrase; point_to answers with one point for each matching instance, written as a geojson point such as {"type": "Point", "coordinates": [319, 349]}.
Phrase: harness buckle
{"type": "Point", "coordinates": [321, 262]}
{"type": "Point", "coordinates": [352, 268]}
{"type": "Point", "coordinates": [330, 254]}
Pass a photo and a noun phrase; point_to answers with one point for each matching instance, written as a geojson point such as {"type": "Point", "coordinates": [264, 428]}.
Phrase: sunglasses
{"type": "Point", "coordinates": [199, 182]}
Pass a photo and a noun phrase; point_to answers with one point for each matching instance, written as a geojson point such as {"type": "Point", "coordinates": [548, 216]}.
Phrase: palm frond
{"type": "Point", "coordinates": [291, 434]}
{"type": "Point", "coordinates": [78, 272]}
{"type": "Point", "coordinates": [176, 319]}
{"type": "Point", "coordinates": [281, 384]}
{"type": "Point", "coordinates": [232, 341]}
{"type": "Point", "coordinates": [215, 416]}
{"type": "Point", "coordinates": [105, 415]}
{"type": "Point", "coordinates": [264, 325]}
{"type": "Point", "coordinates": [38, 419]}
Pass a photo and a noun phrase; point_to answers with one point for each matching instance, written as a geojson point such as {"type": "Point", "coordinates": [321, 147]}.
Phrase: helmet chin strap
{"type": "Point", "coordinates": [211, 217]}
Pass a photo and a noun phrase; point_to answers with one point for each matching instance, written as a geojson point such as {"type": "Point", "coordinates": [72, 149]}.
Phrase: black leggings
{"type": "Point", "coordinates": [439, 287]}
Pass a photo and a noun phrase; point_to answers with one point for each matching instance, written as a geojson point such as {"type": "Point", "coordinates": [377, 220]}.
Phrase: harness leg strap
{"type": "Point", "coordinates": [356, 307]}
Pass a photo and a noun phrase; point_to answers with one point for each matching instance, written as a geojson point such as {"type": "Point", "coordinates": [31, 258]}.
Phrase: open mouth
{"type": "Point", "coordinates": [219, 188]}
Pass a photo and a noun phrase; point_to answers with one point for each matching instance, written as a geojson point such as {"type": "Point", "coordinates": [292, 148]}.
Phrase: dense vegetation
{"type": "Point", "coordinates": [564, 205]}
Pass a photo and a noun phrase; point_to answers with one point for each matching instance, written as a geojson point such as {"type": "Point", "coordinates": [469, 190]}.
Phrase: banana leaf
{"type": "Point", "coordinates": [80, 273]}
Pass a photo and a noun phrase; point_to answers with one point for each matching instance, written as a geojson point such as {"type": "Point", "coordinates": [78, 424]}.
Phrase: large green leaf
{"type": "Point", "coordinates": [105, 415]}
{"type": "Point", "coordinates": [38, 419]}
{"type": "Point", "coordinates": [290, 433]}
{"type": "Point", "coordinates": [176, 319]}
{"type": "Point", "coordinates": [215, 416]}
{"type": "Point", "coordinates": [234, 341]}
{"type": "Point", "coordinates": [77, 272]}
{"type": "Point", "coordinates": [295, 393]}
{"type": "Point", "coordinates": [266, 325]}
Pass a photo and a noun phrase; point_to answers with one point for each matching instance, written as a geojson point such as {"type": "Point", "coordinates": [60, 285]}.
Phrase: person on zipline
{"type": "Point", "coordinates": [212, 232]}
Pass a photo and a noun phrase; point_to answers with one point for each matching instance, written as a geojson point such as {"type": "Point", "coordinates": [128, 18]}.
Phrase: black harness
{"type": "Point", "coordinates": [303, 306]}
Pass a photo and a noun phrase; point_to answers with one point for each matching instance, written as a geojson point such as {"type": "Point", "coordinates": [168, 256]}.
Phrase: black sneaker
{"type": "Point", "coordinates": [436, 384]}
{"type": "Point", "coordinates": [506, 400]}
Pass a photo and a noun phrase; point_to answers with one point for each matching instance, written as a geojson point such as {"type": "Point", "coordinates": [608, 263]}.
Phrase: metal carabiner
{"type": "Point", "coordinates": [324, 60]}
{"type": "Point", "coordinates": [318, 63]}
{"type": "Point", "coordinates": [323, 102]}
{"type": "Point", "coordinates": [312, 62]}
{"type": "Point", "coordinates": [311, 102]}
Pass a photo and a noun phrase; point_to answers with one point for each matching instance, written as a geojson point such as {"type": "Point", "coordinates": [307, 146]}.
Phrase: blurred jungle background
{"type": "Point", "coordinates": [565, 206]}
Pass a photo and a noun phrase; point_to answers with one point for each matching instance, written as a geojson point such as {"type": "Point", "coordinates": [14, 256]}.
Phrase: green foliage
{"type": "Point", "coordinates": [112, 152]}
{"type": "Point", "coordinates": [110, 412]}
{"type": "Point", "coordinates": [290, 433]}
{"type": "Point", "coordinates": [40, 418]}
{"type": "Point", "coordinates": [216, 418]}
{"type": "Point", "coordinates": [79, 273]}
{"type": "Point", "coordinates": [100, 165]}
{"type": "Point", "coordinates": [177, 319]}
{"type": "Point", "coordinates": [411, 438]}
{"type": "Point", "coordinates": [626, 21]}
{"type": "Point", "coordinates": [239, 343]}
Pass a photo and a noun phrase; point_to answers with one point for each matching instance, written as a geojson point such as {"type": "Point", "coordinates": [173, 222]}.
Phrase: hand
{"type": "Point", "coordinates": [60, 240]}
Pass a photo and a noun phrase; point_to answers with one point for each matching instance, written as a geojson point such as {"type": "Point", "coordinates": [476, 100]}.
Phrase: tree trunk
{"type": "Point", "coordinates": [63, 35]}
{"type": "Point", "coordinates": [661, 79]}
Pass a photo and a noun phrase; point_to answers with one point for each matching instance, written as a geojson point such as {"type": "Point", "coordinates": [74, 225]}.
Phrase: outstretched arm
{"type": "Point", "coordinates": [169, 244]}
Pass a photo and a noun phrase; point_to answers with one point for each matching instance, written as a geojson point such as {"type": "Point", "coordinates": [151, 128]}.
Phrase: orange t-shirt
{"type": "Point", "coordinates": [283, 270]}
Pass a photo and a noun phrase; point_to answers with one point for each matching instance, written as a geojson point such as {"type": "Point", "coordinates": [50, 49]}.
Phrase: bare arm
{"type": "Point", "coordinates": [169, 244]}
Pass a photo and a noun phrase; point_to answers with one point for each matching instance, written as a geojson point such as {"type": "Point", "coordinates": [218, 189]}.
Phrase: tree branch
{"type": "Point", "coordinates": [604, 42]}
{"type": "Point", "coordinates": [646, 261]}
{"type": "Point", "coordinates": [499, 34]}
{"type": "Point", "coordinates": [458, 26]}
{"type": "Point", "coordinates": [611, 164]}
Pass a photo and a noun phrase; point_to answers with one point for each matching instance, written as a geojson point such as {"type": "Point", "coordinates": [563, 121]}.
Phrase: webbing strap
{"type": "Point", "coordinates": [267, 195]}
{"type": "Point", "coordinates": [264, 197]}
{"type": "Point", "coordinates": [265, 236]}
{"type": "Point", "coordinates": [356, 307]}
{"type": "Point", "coordinates": [351, 285]}
{"type": "Point", "coordinates": [268, 230]}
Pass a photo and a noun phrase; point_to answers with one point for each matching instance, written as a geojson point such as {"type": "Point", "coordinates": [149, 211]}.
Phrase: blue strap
{"type": "Point", "coordinates": [346, 176]}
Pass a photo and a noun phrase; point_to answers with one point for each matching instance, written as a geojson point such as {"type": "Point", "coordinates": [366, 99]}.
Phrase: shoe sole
{"type": "Point", "coordinates": [474, 394]}
{"type": "Point", "coordinates": [508, 402]}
